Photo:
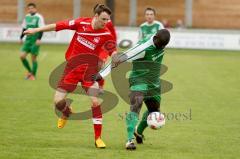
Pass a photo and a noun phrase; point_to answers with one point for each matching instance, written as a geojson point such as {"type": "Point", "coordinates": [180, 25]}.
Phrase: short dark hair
{"type": "Point", "coordinates": [31, 5]}
{"type": "Point", "coordinates": [99, 8]}
{"type": "Point", "coordinates": [151, 9]}
{"type": "Point", "coordinates": [161, 38]}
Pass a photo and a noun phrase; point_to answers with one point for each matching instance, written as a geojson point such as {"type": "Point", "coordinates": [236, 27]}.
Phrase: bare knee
{"type": "Point", "coordinates": [34, 58]}
{"type": "Point", "coordinates": [23, 56]}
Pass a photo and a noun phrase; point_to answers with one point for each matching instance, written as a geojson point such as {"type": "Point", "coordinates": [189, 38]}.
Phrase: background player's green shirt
{"type": "Point", "coordinates": [148, 30]}
{"type": "Point", "coordinates": [33, 21]}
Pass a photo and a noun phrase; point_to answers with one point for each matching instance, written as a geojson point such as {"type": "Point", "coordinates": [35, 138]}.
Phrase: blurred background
{"type": "Point", "coordinates": [194, 24]}
{"type": "Point", "coordinates": [214, 14]}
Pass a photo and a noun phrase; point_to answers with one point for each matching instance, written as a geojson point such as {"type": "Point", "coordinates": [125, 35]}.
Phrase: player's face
{"type": "Point", "coordinates": [31, 10]}
{"type": "Point", "coordinates": [102, 19]}
{"type": "Point", "coordinates": [149, 16]}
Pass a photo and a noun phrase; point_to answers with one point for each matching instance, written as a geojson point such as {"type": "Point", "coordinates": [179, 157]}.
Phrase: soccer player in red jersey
{"type": "Point", "coordinates": [91, 37]}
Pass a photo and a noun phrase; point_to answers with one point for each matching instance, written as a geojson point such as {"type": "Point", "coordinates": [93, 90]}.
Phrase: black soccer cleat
{"type": "Point", "coordinates": [130, 145]}
{"type": "Point", "coordinates": [139, 138]}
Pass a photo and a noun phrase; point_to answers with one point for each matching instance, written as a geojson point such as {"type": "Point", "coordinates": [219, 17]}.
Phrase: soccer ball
{"type": "Point", "coordinates": [155, 120]}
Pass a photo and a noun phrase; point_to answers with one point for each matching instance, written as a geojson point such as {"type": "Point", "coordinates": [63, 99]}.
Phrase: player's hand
{"type": "Point", "coordinates": [97, 77]}
{"type": "Point", "coordinates": [30, 31]}
{"type": "Point", "coordinates": [116, 60]}
{"type": "Point", "coordinates": [21, 41]}
{"type": "Point", "coordinates": [38, 42]}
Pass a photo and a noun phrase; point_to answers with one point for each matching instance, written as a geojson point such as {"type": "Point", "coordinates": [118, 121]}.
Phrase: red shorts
{"type": "Point", "coordinates": [72, 75]}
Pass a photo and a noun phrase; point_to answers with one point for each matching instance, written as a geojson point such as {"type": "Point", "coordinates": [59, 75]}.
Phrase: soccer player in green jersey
{"type": "Point", "coordinates": [147, 30]}
{"type": "Point", "coordinates": [32, 43]}
{"type": "Point", "coordinates": [151, 26]}
{"type": "Point", "coordinates": [144, 80]}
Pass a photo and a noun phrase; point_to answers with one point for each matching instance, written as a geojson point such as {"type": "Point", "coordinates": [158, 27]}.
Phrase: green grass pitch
{"type": "Point", "coordinates": [207, 83]}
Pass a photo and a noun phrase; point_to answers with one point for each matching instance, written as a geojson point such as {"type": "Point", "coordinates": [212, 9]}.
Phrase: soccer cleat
{"type": "Point", "coordinates": [99, 143]}
{"type": "Point", "coordinates": [130, 145]}
{"type": "Point", "coordinates": [32, 77]}
{"type": "Point", "coordinates": [139, 138]}
{"type": "Point", "coordinates": [28, 74]}
{"type": "Point", "coordinates": [63, 120]}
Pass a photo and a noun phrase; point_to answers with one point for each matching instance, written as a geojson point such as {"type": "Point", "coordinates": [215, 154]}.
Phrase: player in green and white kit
{"type": "Point", "coordinates": [144, 80]}
{"type": "Point", "coordinates": [147, 30]}
{"type": "Point", "coordinates": [32, 42]}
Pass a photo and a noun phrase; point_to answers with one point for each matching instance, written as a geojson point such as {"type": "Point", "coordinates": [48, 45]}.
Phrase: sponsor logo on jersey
{"type": "Point", "coordinates": [96, 39]}
{"type": "Point", "coordinates": [71, 22]}
{"type": "Point", "coordinates": [86, 43]}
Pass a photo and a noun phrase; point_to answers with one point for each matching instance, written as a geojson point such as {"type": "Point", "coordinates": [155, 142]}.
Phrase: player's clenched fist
{"type": "Point", "coordinates": [117, 59]}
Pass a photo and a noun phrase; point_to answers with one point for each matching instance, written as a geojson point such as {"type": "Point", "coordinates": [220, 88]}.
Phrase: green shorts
{"type": "Point", "coordinates": [150, 91]}
{"type": "Point", "coordinates": [30, 47]}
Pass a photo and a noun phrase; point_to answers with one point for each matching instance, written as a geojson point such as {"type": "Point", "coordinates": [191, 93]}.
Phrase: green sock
{"type": "Point", "coordinates": [26, 64]}
{"type": "Point", "coordinates": [35, 66]}
{"type": "Point", "coordinates": [143, 123]}
{"type": "Point", "coordinates": [131, 122]}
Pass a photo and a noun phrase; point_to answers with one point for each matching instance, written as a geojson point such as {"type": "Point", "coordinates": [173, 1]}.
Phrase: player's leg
{"type": "Point", "coordinates": [34, 53]}
{"type": "Point", "coordinates": [141, 127]}
{"type": "Point", "coordinates": [66, 84]}
{"type": "Point", "coordinates": [101, 84]}
{"type": "Point", "coordinates": [62, 105]}
{"type": "Point", "coordinates": [153, 105]}
{"type": "Point", "coordinates": [23, 57]}
{"type": "Point", "coordinates": [136, 100]}
{"type": "Point", "coordinates": [93, 91]}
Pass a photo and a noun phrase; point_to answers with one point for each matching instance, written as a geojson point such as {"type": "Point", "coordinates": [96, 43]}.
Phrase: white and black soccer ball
{"type": "Point", "coordinates": [155, 120]}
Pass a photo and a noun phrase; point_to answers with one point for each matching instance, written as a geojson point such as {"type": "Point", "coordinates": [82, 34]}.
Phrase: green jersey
{"type": "Point", "coordinates": [148, 30]}
{"type": "Point", "coordinates": [146, 69]}
{"type": "Point", "coordinates": [33, 21]}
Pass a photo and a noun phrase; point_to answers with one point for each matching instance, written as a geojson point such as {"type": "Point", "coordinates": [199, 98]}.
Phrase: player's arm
{"type": "Point", "coordinates": [24, 26]}
{"type": "Point", "coordinates": [22, 34]}
{"type": "Point", "coordinates": [159, 41]}
{"type": "Point", "coordinates": [61, 25]}
{"type": "Point", "coordinates": [50, 27]}
{"type": "Point", "coordinates": [41, 23]}
{"type": "Point", "coordinates": [135, 52]}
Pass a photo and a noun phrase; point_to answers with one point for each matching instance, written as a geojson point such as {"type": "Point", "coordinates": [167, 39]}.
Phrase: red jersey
{"type": "Point", "coordinates": [86, 39]}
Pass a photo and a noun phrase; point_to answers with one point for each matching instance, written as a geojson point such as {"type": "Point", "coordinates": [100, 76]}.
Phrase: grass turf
{"type": "Point", "coordinates": [205, 83]}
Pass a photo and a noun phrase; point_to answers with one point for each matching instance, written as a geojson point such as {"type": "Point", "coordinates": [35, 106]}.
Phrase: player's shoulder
{"type": "Point", "coordinates": [84, 20]}
{"type": "Point", "coordinates": [28, 15]}
{"type": "Point", "coordinates": [109, 24]}
{"type": "Point", "coordinates": [39, 15]}
{"type": "Point", "coordinates": [143, 24]}
{"type": "Point", "coordinates": [158, 23]}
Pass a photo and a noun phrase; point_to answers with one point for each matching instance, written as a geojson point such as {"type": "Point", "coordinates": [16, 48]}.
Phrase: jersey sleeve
{"type": "Point", "coordinates": [140, 36]}
{"type": "Point", "coordinates": [160, 26]}
{"type": "Point", "coordinates": [24, 25]}
{"type": "Point", "coordinates": [68, 24]}
{"type": "Point", "coordinates": [41, 22]}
